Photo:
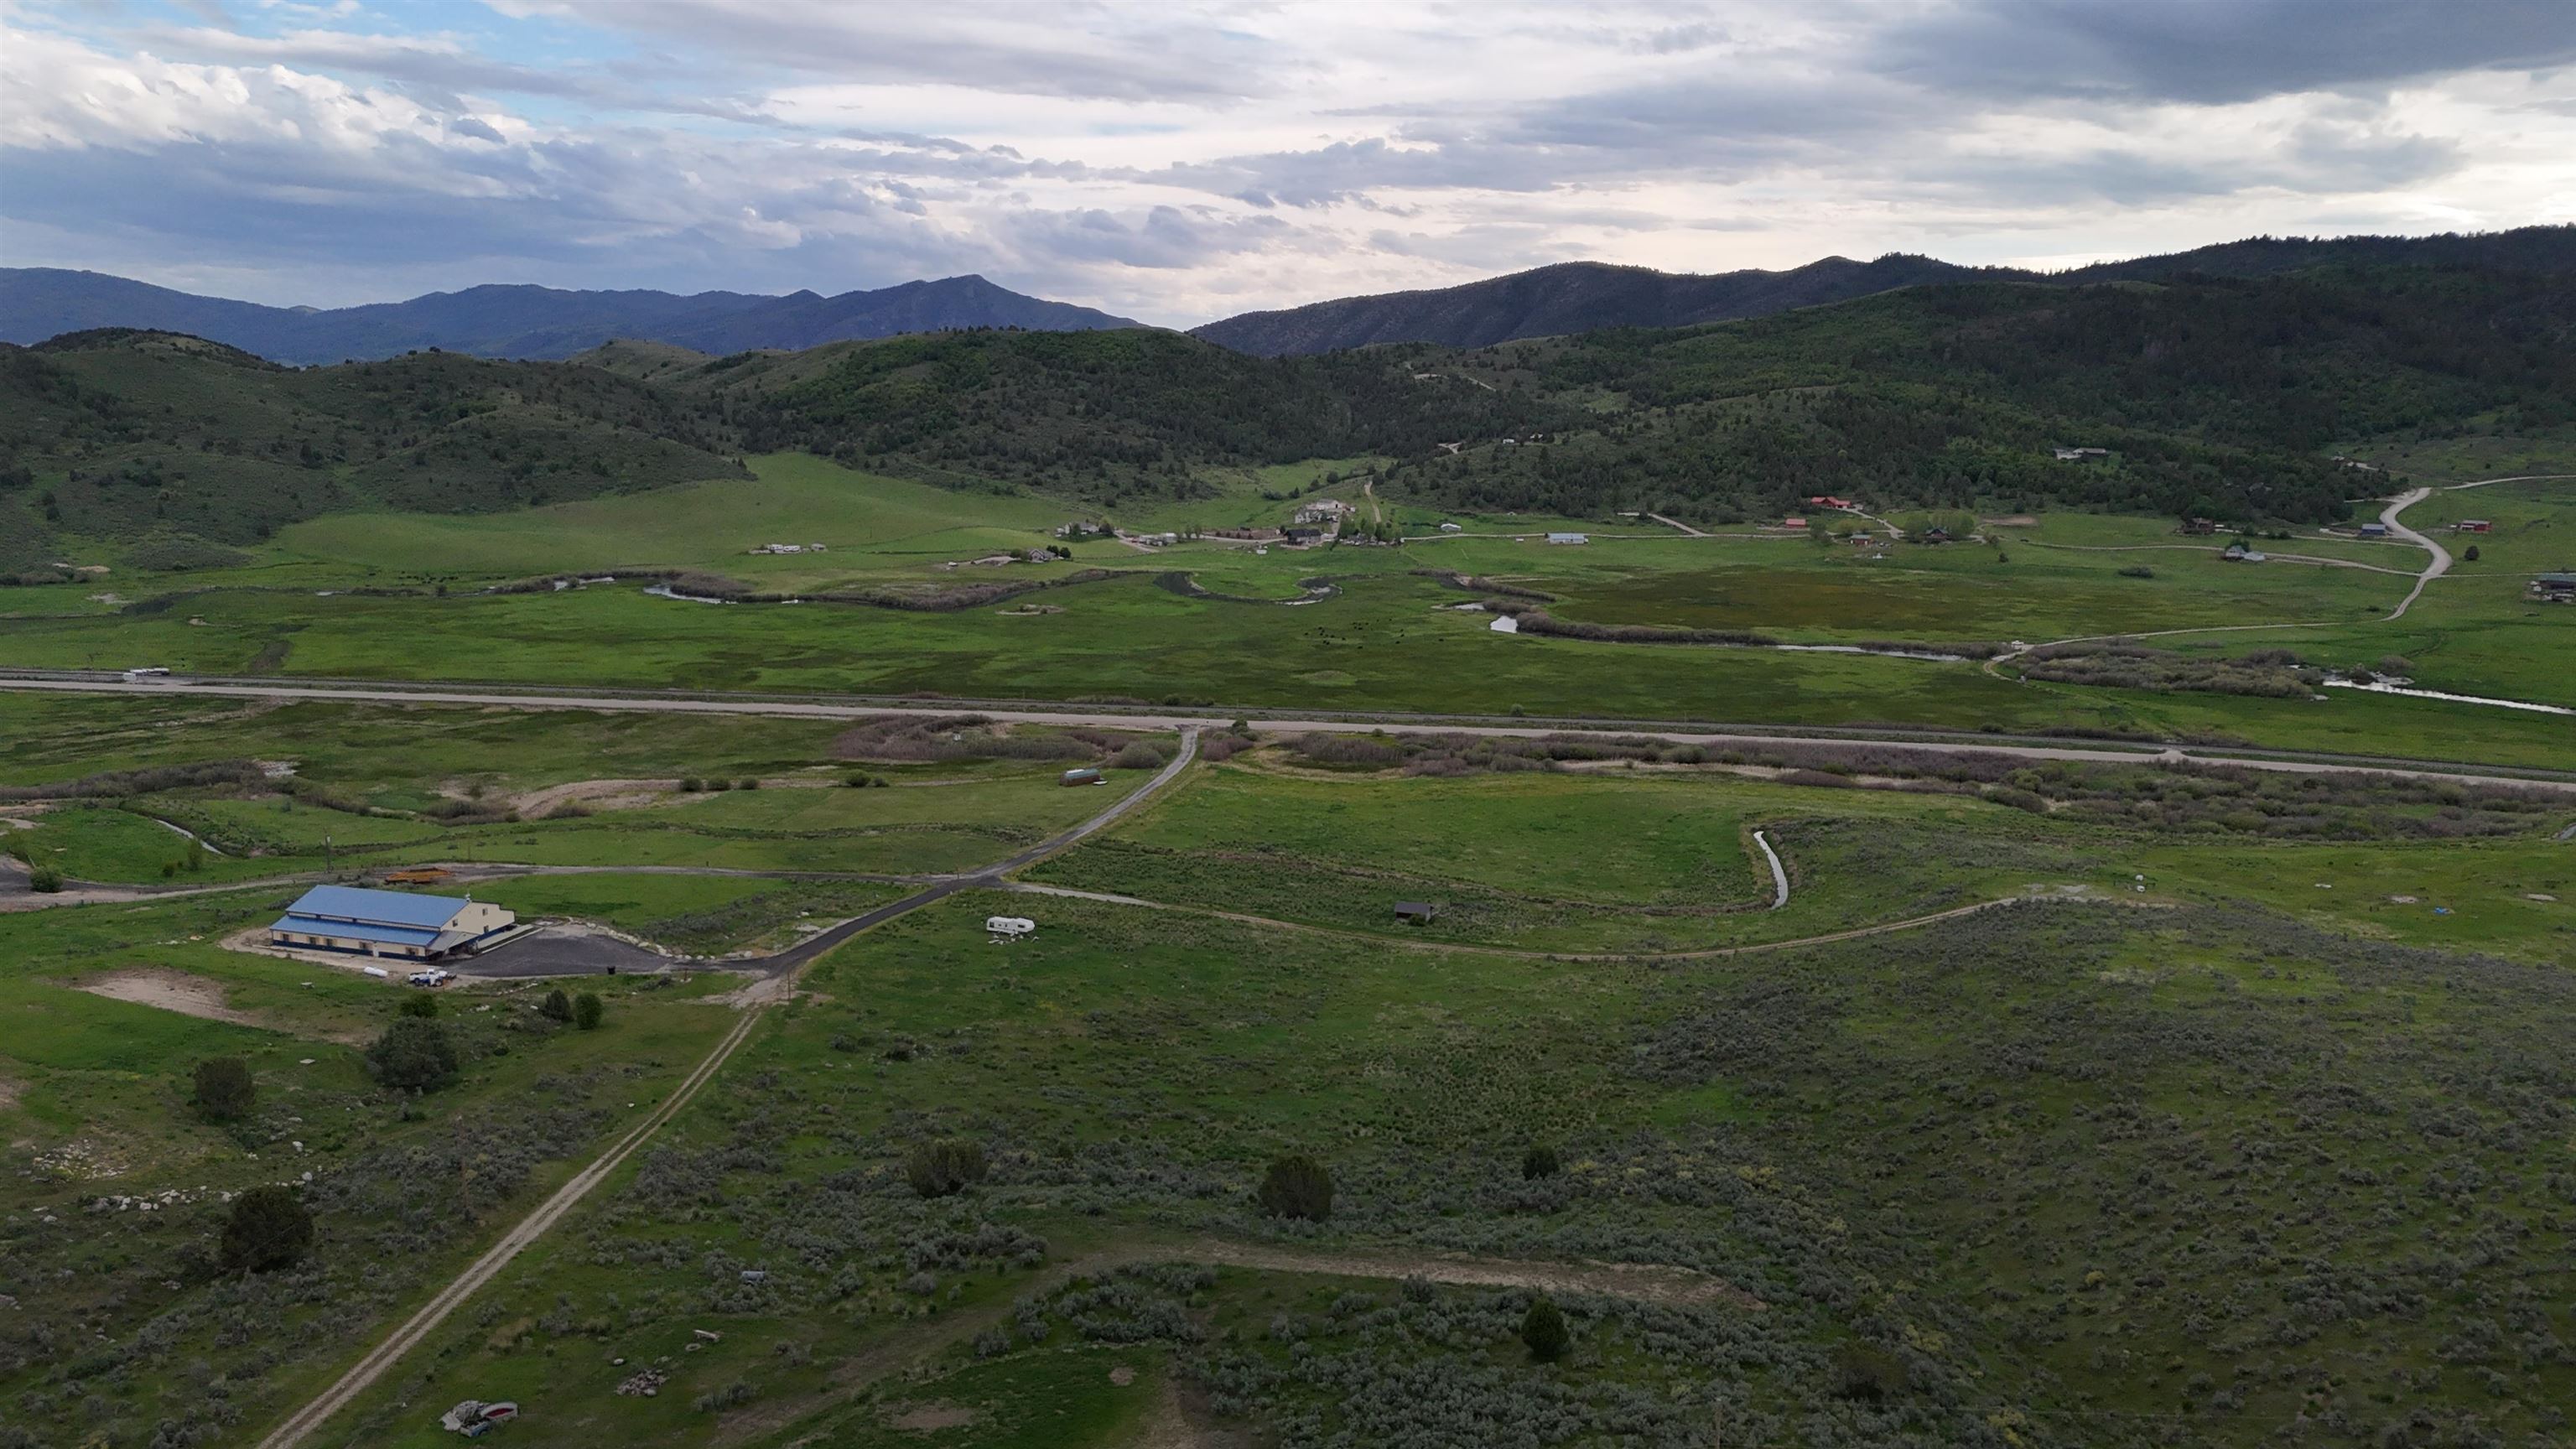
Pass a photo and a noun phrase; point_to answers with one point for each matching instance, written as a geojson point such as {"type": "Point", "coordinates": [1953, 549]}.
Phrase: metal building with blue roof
{"type": "Point", "coordinates": [386, 923]}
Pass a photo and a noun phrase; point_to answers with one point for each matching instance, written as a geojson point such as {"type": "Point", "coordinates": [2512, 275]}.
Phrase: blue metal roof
{"type": "Point", "coordinates": [358, 931]}
{"type": "Point", "coordinates": [383, 908]}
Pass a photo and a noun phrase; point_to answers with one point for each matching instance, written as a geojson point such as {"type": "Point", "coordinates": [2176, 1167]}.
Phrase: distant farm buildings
{"type": "Point", "coordinates": [1793, 523]}
{"type": "Point", "coordinates": [2081, 455]}
{"type": "Point", "coordinates": [1084, 776]}
{"type": "Point", "coordinates": [386, 923]}
{"type": "Point", "coordinates": [2200, 525]}
{"type": "Point", "coordinates": [789, 548]}
{"type": "Point", "coordinates": [1827, 500]}
{"type": "Point", "coordinates": [1569, 538]}
{"type": "Point", "coordinates": [2555, 588]}
{"type": "Point", "coordinates": [2374, 530]}
{"type": "Point", "coordinates": [2239, 553]}
{"type": "Point", "coordinates": [2474, 525]}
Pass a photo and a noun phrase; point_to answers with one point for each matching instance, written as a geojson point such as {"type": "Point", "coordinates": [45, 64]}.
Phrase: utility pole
{"type": "Point", "coordinates": [327, 868]}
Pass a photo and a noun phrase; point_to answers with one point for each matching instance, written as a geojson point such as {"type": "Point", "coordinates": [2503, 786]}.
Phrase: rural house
{"type": "Point", "coordinates": [386, 923]}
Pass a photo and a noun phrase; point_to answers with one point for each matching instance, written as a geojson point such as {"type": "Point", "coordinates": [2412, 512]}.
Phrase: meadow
{"type": "Point", "coordinates": [401, 596]}
{"type": "Point", "coordinates": [1919, 1184]}
{"type": "Point", "coordinates": [1922, 1154]}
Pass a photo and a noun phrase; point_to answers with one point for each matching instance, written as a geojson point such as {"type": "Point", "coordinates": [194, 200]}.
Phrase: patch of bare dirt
{"type": "Point", "coordinates": [189, 996]}
{"type": "Point", "coordinates": [593, 794]}
{"type": "Point", "coordinates": [10, 1091]}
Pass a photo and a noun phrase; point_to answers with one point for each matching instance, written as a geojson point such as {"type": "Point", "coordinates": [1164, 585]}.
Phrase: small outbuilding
{"type": "Point", "coordinates": [2475, 525]}
{"type": "Point", "coordinates": [1569, 538]}
{"type": "Point", "coordinates": [2374, 530]}
{"type": "Point", "coordinates": [1084, 776]}
{"type": "Point", "coordinates": [1415, 913]}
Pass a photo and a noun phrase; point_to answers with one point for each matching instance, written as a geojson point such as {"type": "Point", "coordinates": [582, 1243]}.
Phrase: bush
{"type": "Point", "coordinates": [419, 1003]}
{"type": "Point", "coordinates": [44, 879]}
{"type": "Point", "coordinates": [749, 782]}
{"type": "Point", "coordinates": [2137, 571]}
{"type": "Point", "coordinates": [2472, 555]}
{"type": "Point", "coordinates": [1138, 756]}
{"type": "Point", "coordinates": [1543, 1329]}
{"type": "Point", "coordinates": [556, 1006]}
{"type": "Point", "coordinates": [1538, 1162]}
{"type": "Point", "coordinates": [225, 1089]}
{"type": "Point", "coordinates": [587, 1011]}
{"type": "Point", "coordinates": [269, 1228]}
{"type": "Point", "coordinates": [1297, 1186]}
{"type": "Point", "coordinates": [1866, 1374]}
{"type": "Point", "coordinates": [414, 1055]}
{"type": "Point", "coordinates": [945, 1167]}
{"type": "Point", "coordinates": [692, 784]}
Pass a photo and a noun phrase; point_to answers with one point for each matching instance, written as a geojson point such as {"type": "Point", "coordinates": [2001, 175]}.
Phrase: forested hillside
{"type": "Point", "coordinates": [1102, 415]}
{"type": "Point", "coordinates": [1575, 297]}
{"type": "Point", "coordinates": [2215, 396]}
{"type": "Point", "coordinates": [180, 446]}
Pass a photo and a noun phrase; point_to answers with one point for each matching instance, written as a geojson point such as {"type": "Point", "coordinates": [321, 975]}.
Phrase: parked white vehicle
{"type": "Point", "coordinates": [1010, 928]}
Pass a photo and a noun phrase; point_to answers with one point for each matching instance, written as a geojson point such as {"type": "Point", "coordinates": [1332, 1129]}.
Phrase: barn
{"type": "Point", "coordinates": [386, 923]}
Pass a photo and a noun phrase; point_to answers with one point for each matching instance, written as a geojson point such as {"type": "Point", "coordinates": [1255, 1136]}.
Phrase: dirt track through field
{"type": "Point", "coordinates": [421, 1324]}
{"type": "Point", "coordinates": [1697, 953]}
{"type": "Point", "coordinates": [1635, 1282]}
{"type": "Point", "coordinates": [785, 966]}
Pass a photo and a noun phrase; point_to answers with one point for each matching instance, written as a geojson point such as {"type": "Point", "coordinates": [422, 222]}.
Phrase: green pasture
{"type": "Point", "coordinates": [2475, 631]}
{"type": "Point", "coordinates": [1614, 860]}
{"type": "Point", "coordinates": [793, 498]}
{"type": "Point", "coordinates": [1383, 641]}
{"type": "Point", "coordinates": [1388, 641]}
{"type": "Point", "coordinates": [1130, 1072]}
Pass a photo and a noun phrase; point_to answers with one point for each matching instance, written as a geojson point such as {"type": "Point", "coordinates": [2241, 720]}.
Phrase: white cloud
{"type": "Point", "coordinates": [1179, 161]}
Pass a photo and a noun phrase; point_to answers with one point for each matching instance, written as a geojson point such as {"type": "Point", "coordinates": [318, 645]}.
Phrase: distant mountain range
{"type": "Point", "coordinates": [526, 322]}
{"type": "Point", "coordinates": [545, 323]}
{"type": "Point", "coordinates": [1584, 296]}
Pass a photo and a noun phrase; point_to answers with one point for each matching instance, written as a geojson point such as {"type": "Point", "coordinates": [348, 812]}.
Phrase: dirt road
{"type": "Point", "coordinates": [782, 968]}
{"type": "Point", "coordinates": [2441, 563]}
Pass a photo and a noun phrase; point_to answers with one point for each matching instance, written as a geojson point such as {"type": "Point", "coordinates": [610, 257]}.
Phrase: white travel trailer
{"type": "Point", "coordinates": [1009, 928]}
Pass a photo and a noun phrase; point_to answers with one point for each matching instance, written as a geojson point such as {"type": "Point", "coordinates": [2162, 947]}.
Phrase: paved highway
{"type": "Point", "coordinates": [1151, 720]}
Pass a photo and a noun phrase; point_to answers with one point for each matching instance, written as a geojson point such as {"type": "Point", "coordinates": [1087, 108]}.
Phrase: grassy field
{"type": "Point", "coordinates": [375, 788]}
{"type": "Point", "coordinates": [1970, 1168]}
{"type": "Point", "coordinates": [358, 596]}
{"type": "Point", "coordinates": [1927, 1147]}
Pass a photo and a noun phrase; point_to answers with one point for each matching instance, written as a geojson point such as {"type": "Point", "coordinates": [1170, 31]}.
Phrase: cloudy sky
{"type": "Point", "coordinates": [1176, 160]}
